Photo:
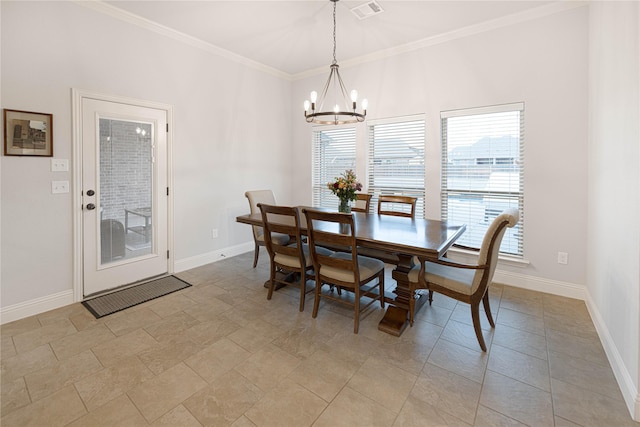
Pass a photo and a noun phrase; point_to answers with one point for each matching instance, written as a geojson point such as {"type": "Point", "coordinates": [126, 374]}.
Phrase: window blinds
{"type": "Point", "coordinates": [396, 159]}
{"type": "Point", "coordinates": [334, 151]}
{"type": "Point", "coordinates": [482, 170]}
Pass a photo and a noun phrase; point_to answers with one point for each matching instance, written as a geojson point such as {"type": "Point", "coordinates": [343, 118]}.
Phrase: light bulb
{"type": "Point", "coordinates": [354, 95]}
{"type": "Point", "coordinates": [336, 109]}
{"type": "Point", "coordinates": [307, 105]}
{"type": "Point", "coordinates": [365, 104]}
{"type": "Point", "coordinates": [314, 96]}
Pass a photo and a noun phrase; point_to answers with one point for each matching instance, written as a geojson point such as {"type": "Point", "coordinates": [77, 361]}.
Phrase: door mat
{"type": "Point", "coordinates": [119, 300]}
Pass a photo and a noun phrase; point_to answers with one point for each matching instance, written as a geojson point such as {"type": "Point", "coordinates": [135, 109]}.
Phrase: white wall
{"type": "Point", "coordinates": [613, 268]}
{"type": "Point", "coordinates": [229, 134]}
{"type": "Point", "coordinates": [542, 62]}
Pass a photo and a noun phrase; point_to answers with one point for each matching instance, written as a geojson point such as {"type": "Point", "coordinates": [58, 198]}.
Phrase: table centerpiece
{"type": "Point", "coordinates": [345, 187]}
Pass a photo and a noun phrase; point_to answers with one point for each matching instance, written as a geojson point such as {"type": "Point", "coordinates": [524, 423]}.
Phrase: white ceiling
{"type": "Point", "coordinates": [296, 36]}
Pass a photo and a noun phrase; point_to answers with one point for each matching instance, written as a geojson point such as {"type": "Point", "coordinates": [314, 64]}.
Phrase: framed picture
{"type": "Point", "coordinates": [27, 133]}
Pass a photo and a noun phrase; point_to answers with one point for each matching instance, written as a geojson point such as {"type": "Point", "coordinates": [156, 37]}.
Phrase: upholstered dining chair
{"type": "Point", "coordinates": [290, 257]}
{"type": "Point", "coordinates": [344, 270]}
{"type": "Point", "coordinates": [255, 197]}
{"type": "Point", "coordinates": [397, 205]}
{"type": "Point", "coordinates": [362, 203]}
{"type": "Point", "coordinates": [464, 282]}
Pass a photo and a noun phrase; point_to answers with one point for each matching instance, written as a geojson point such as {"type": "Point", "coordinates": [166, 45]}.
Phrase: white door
{"type": "Point", "coordinates": [124, 194]}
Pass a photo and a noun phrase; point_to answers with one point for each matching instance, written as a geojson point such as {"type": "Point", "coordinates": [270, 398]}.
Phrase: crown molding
{"type": "Point", "coordinates": [123, 15]}
{"type": "Point", "coordinates": [528, 15]}
{"type": "Point", "coordinates": [505, 21]}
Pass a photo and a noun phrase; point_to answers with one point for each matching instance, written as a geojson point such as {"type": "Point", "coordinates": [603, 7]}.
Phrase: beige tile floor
{"type": "Point", "coordinates": [219, 353]}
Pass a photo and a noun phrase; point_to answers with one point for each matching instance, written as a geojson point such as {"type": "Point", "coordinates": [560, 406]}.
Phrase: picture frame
{"type": "Point", "coordinates": [27, 133]}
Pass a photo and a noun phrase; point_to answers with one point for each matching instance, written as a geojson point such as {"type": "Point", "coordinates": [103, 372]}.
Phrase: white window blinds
{"type": "Point", "coordinates": [334, 151]}
{"type": "Point", "coordinates": [482, 171]}
{"type": "Point", "coordinates": [396, 159]}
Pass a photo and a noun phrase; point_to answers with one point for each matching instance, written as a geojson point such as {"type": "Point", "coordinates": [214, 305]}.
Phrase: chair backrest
{"type": "Point", "coordinates": [283, 220]}
{"type": "Point", "coordinates": [255, 197]}
{"type": "Point", "coordinates": [389, 204]}
{"type": "Point", "coordinates": [490, 248]}
{"type": "Point", "coordinates": [362, 203]}
{"type": "Point", "coordinates": [331, 229]}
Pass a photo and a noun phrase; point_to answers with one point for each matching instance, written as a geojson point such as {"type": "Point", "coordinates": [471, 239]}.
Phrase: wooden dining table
{"type": "Point", "coordinates": [401, 239]}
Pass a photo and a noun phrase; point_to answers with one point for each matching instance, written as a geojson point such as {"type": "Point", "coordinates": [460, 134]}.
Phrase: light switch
{"type": "Point", "coordinates": [59, 187]}
{"type": "Point", "coordinates": [59, 165]}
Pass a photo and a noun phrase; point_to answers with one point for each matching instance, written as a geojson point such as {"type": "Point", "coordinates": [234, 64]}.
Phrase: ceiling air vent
{"type": "Point", "coordinates": [367, 10]}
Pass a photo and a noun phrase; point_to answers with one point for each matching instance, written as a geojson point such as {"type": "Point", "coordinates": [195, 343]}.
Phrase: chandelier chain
{"type": "Point", "coordinates": [334, 32]}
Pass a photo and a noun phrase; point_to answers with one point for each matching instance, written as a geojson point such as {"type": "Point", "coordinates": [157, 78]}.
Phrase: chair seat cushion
{"type": "Point", "coordinates": [456, 279]}
{"type": "Point", "coordinates": [278, 238]}
{"type": "Point", "coordinates": [368, 267]}
{"type": "Point", "coordinates": [292, 261]}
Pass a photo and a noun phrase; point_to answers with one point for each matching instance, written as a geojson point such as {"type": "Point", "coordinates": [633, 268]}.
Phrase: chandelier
{"type": "Point", "coordinates": [334, 88]}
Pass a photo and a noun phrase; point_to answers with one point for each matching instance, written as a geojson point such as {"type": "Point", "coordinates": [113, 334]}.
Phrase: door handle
{"type": "Point", "coordinates": [90, 193]}
{"type": "Point", "coordinates": [91, 207]}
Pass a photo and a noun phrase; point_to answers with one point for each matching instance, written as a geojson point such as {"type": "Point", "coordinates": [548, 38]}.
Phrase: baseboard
{"type": "Point", "coordinates": [35, 306]}
{"type": "Point", "coordinates": [624, 379]}
{"type": "Point", "coordinates": [555, 287]}
{"type": "Point", "coordinates": [209, 257]}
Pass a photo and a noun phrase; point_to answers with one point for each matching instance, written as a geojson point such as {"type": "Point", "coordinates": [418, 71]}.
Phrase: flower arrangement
{"type": "Point", "coordinates": [345, 187]}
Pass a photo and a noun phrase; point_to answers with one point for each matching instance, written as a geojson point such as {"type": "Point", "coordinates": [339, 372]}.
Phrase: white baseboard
{"type": "Point", "coordinates": [35, 306]}
{"type": "Point", "coordinates": [624, 379]}
{"type": "Point", "coordinates": [209, 257]}
{"type": "Point", "coordinates": [554, 287]}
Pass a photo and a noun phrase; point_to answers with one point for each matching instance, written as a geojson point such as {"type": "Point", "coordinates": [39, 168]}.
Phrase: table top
{"type": "Point", "coordinates": [409, 236]}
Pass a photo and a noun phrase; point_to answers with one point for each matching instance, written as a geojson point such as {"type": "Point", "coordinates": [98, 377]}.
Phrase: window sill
{"type": "Point", "coordinates": [517, 261]}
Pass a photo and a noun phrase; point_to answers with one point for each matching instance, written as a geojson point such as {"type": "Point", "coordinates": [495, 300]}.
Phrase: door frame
{"type": "Point", "coordinates": [77, 95]}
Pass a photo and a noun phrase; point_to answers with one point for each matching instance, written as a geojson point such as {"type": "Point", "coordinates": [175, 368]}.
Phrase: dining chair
{"type": "Point", "coordinates": [397, 205]}
{"type": "Point", "coordinates": [403, 206]}
{"type": "Point", "coordinates": [362, 203]}
{"type": "Point", "coordinates": [344, 270]}
{"type": "Point", "coordinates": [468, 283]}
{"type": "Point", "coordinates": [290, 258]}
{"type": "Point", "coordinates": [255, 197]}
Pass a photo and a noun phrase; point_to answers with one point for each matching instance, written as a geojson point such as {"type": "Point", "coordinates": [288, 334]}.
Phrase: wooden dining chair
{"type": "Point", "coordinates": [397, 205]}
{"type": "Point", "coordinates": [255, 197]}
{"type": "Point", "coordinates": [344, 270]}
{"type": "Point", "coordinates": [464, 282]}
{"type": "Point", "coordinates": [290, 258]}
{"type": "Point", "coordinates": [362, 203]}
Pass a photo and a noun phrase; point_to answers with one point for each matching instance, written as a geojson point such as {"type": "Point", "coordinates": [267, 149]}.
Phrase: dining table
{"type": "Point", "coordinates": [399, 239]}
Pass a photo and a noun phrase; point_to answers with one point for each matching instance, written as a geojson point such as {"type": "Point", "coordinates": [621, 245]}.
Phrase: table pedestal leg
{"type": "Point", "coordinates": [395, 318]}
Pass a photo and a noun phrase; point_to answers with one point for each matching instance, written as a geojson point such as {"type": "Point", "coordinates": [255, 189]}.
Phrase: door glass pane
{"type": "Point", "coordinates": [126, 157]}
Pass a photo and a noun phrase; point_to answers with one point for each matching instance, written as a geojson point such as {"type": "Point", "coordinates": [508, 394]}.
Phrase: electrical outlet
{"type": "Point", "coordinates": [563, 258]}
{"type": "Point", "coordinates": [214, 233]}
{"type": "Point", "coordinates": [59, 187]}
{"type": "Point", "coordinates": [59, 165]}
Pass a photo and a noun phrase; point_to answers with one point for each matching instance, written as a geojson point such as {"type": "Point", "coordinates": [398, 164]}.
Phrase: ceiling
{"type": "Point", "coordinates": [295, 36]}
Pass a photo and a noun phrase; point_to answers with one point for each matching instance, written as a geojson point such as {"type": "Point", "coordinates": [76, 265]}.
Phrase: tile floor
{"type": "Point", "coordinates": [219, 353]}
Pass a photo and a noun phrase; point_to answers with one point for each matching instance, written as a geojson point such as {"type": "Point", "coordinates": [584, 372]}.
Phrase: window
{"type": "Point", "coordinates": [334, 151]}
{"type": "Point", "coordinates": [396, 159]}
{"type": "Point", "coordinates": [482, 170]}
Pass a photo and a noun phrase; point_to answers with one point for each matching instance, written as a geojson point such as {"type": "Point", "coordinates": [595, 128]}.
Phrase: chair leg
{"type": "Point", "coordinates": [381, 289]}
{"type": "Point", "coordinates": [475, 316]}
{"type": "Point", "coordinates": [316, 300]}
{"type": "Point", "coordinates": [271, 282]}
{"type": "Point", "coordinates": [303, 288]}
{"type": "Point", "coordinates": [487, 309]}
{"type": "Point", "coordinates": [356, 320]}
{"type": "Point", "coordinates": [256, 252]}
{"type": "Point", "coordinates": [430, 296]}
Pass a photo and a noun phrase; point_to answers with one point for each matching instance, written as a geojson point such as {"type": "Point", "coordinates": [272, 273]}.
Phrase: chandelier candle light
{"type": "Point", "coordinates": [334, 85]}
{"type": "Point", "coordinates": [345, 187]}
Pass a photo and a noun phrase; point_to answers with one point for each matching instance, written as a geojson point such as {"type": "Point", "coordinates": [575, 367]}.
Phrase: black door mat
{"type": "Point", "coordinates": [119, 300]}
